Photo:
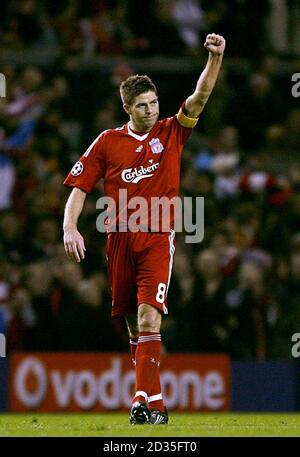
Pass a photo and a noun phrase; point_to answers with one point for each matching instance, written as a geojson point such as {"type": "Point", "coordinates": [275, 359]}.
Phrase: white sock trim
{"type": "Point", "coordinates": [154, 335]}
{"type": "Point", "coordinates": [141, 393]}
{"type": "Point", "coordinates": [154, 398]}
{"type": "Point", "coordinates": [133, 342]}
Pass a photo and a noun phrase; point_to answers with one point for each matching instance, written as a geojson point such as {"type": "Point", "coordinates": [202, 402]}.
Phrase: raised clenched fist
{"type": "Point", "coordinates": [215, 44]}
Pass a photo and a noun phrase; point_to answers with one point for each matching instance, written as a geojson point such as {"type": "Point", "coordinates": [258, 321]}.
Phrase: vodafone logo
{"type": "Point", "coordinates": [83, 387]}
{"type": "Point", "coordinates": [38, 386]}
{"type": "Point", "coordinates": [134, 175]}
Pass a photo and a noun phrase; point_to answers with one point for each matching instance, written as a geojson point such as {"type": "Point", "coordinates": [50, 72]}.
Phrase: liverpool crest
{"type": "Point", "coordinates": [156, 146]}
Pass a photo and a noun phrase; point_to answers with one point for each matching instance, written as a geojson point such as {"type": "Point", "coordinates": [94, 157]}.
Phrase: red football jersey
{"type": "Point", "coordinates": [143, 165]}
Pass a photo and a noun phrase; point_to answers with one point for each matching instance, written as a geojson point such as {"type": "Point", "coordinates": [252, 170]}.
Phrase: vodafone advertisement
{"type": "Point", "coordinates": [53, 382]}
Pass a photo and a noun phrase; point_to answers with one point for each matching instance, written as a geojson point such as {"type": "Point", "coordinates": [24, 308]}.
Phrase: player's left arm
{"type": "Point", "coordinates": [195, 103]}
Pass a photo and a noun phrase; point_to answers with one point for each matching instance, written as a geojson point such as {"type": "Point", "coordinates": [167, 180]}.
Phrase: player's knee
{"type": "Point", "coordinates": [148, 326]}
{"type": "Point", "coordinates": [149, 319]}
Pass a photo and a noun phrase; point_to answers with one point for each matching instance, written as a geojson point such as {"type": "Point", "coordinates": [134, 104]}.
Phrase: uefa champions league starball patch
{"type": "Point", "coordinates": [77, 169]}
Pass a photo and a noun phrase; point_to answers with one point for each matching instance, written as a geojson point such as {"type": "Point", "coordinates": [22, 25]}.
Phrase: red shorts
{"type": "Point", "coordinates": [139, 269]}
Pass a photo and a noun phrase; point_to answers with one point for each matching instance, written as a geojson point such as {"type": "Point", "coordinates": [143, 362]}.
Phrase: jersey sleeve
{"type": "Point", "coordinates": [90, 168]}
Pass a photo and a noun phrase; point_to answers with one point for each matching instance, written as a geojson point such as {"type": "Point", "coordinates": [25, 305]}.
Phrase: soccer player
{"type": "Point", "coordinates": [143, 158]}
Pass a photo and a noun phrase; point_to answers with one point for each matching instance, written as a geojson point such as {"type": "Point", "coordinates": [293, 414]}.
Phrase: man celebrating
{"type": "Point", "coordinates": [143, 158]}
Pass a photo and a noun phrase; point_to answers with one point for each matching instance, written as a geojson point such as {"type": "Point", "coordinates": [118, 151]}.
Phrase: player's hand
{"type": "Point", "coordinates": [74, 244]}
{"type": "Point", "coordinates": [215, 44]}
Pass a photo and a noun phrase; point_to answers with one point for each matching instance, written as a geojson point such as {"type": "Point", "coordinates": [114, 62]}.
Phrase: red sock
{"type": "Point", "coordinates": [155, 400]}
{"type": "Point", "coordinates": [133, 346]}
{"type": "Point", "coordinates": [147, 364]}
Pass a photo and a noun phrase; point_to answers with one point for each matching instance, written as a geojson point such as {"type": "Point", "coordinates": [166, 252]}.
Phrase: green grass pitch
{"type": "Point", "coordinates": [180, 424]}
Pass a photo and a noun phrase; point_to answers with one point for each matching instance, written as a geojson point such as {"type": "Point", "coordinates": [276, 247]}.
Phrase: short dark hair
{"type": "Point", "coordinates": [134, 86]}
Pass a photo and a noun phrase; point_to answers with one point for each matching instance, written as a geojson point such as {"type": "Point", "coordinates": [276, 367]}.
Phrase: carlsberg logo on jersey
{"type": "Point", "coordinates": [134, 175]}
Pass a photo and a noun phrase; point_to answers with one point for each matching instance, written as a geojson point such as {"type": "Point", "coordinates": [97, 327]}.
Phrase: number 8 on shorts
{"type": "Point", "coordinates": [161, 291]}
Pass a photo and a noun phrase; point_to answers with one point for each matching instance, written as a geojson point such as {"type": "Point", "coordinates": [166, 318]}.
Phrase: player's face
{"type": "Point", "coordinates": [144, 111]}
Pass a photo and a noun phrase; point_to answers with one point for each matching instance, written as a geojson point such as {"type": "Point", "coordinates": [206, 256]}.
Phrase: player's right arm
{"type": "Point", "coordinates": [73, 241]}
{"type": "Point", "coordinates": [82, 178]}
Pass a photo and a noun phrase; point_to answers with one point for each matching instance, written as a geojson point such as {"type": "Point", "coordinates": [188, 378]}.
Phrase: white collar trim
{"type": "Point", "coordinates": [137, 137]}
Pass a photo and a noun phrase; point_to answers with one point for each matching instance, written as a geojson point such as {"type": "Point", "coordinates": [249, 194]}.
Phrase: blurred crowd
{"type": "Point", "coordinates": [132, 27]}
{"type": "Point", "coordinates": [238, 291]}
